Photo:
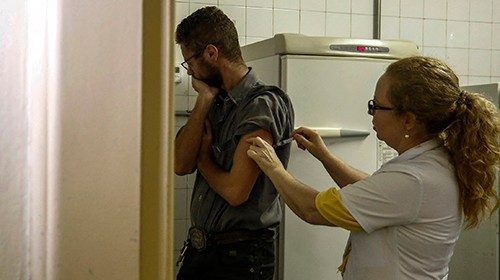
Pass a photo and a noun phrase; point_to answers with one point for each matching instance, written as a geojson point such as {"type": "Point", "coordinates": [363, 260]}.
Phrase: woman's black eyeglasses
{"type": "Point", "coordinates": [372, 107]}
{"type": "Point", "coordinates": [185, 62]}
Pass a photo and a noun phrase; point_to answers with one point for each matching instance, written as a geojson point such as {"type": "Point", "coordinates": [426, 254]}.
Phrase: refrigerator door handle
{"type": "Point", "coordinates": [337, 132]}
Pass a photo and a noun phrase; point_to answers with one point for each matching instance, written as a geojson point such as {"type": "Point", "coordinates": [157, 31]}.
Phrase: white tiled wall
{"type": "Point", "coordinates": [465, 33]}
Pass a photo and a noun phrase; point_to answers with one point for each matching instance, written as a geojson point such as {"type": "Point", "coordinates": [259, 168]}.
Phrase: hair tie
{"type": "Point", "coordinates": [461, 97]}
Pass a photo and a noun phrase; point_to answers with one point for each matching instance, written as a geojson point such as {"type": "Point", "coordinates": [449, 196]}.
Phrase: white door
{"type": "Point", "coordinates": [326, 92]}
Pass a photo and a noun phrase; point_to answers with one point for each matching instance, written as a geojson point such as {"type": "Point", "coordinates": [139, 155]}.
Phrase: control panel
{"type": "Point", "coordinates": [359, 48]}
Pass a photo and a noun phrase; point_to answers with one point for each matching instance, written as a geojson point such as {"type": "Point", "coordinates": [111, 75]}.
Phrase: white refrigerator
{"type": "Point", "coordinates": [329, 81]}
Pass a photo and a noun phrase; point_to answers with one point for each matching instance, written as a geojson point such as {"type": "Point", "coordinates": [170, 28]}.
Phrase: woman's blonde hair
{"type": "Point", "coordinates": [465, 122]}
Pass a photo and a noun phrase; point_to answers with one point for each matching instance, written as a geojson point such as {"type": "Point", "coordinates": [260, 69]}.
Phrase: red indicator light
{"type": "Point", "coordinates": [360, 48]}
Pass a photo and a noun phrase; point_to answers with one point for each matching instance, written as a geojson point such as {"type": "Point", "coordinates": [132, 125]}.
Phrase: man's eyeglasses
{"type": "Point", "coordinates": [185, 62]}
{"type": "Point", "coordinates": [372, 107]}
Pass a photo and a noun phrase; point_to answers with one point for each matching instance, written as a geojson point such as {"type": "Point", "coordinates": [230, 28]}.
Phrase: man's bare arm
{"type": "Point", "coordinates": [188, 141]}
{"type": "Point", "coordinates": [236, 184]}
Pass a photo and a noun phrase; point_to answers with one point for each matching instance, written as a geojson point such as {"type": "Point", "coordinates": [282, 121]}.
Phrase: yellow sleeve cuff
{"type": "Point", "coordinates": [333, 210]}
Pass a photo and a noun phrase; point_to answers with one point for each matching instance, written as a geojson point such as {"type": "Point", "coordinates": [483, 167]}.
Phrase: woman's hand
{"type": "Point", "coordinates": [206, 142]}
{"type": "Point", "coordinates": [309, 139]}
{"type": "Point", "coordinates": [264, 155]}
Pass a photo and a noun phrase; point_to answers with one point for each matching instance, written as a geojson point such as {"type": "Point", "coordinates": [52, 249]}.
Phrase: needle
{"type": "Point", "coordinates": [283, 142]}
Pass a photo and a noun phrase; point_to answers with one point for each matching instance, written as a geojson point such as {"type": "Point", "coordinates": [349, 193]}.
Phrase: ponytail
{"type": "Point", "coordinates": [472, 141]}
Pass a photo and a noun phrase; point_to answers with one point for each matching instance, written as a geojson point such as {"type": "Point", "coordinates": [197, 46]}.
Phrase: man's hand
{"type": "Point", "coordinates": [204, 90]}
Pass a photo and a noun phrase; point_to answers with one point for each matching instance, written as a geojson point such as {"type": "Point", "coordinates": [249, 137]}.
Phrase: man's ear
{"type": "Point", "coordinates": [211, 53]}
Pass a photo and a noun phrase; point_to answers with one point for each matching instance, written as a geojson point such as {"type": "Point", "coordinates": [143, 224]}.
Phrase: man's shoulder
{"type": "Point", "coordinates": [270, 91]}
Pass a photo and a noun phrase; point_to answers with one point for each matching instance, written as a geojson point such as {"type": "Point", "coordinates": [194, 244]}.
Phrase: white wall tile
{"type": "Point", "coordinates": [495, 63]}
{"type": "Point", "coordinates": [242, 41]}
{"type": "Point", "coordinates": [390, 8]}
{"type": "Point", "coordinates": [496, 11]}
{"type": "Point", "coordinates": [458, 59]}
{"type": "Point", "coordinates": [457, 34]}
{"type": "Point", "coordinates": [389, 28]}
{"type": "Point", "coordinates": [181, 89]}
{"type": "Point", "coordinates": [195, 6]}
{"type": "Point", "coordinates": [495, 79]}
{"type": "Point", "coordinates": [463, 80]}
{"type": "Point", "coordinates": [495, 40]}
{"type": "Point", "coordinates": [479, 62]}
{"type": "Point", "coordinates": [478, 80]}
{"type": "Point", "coordinates": [411, 29]}
{"type": "Point", "coordinates": [338, 6]}
{"type": "Point", "coordinates": [191, 178]}
{"type": "Point", "coordinates": [180, 234]}
{"type": "Point", "coordinates": [191, 99]}
{"type": "Point", "coordinates": [338, 25]}
{"type": "Point", "coordinates": [180, 206]}
{"type": "Point", "coordinates": [434, 33]}
{"type": "Point", "coordinates": [435, 9]}
{"type": "Point", "coordinates": [312, 23]}
{"type": "Point", "coordinates": [180, 182]}
{"type": "Point", "coordinates": [237, 15]}
{"type": "Point", "coordinates": [181, 101]}
{"type": "Point", "coordinates": [192, 94]}
{"type": "Point", "coordinates": [232, 2]}
{"type": "Point", "coordinates": [439, 53]}
{"type": "Point", "coordinates": [260, 3]}
{"type": "Point", "coordinates": [259, 22]}
{"type": "Point", "coordinates": [412, 8]}
{"type": "Point", "coordinates": [189, 196]}
{"type": "Point", "coordinates": [178, 55]}
{"type": "Point", "coordinates": [286, 21]}
{"type": "Point", "coordinates": [480, 35]}
{"type": "Point", "coordinates": [364, 7]}
{"type": "Point", "coordinates": [361, 26]}
{"type": "Point", "coordinates": [204, 1]}
{"type": "Point", "coordinates": [287, 4]}
{"type": "Point", "coordinates": [251, 40]}
{"type": "Point", "coordinates": [458, 10]}
{"type": "Point", "coordinates": [181, 12]}
{"type": "Point", "coordinates": [179, 122]}
{"type": "Point", "coordinates": [312, 5]}
{"type": "Point", "coordinates": [480, 10]}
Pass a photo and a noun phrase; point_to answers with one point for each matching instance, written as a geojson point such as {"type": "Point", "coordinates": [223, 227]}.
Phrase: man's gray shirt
{"type": "Point", "coordinates": [248, 107]}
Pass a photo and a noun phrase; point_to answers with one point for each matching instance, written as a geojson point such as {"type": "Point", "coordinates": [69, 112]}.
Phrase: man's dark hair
{"type": "Point", "coordinates": [209, 25]}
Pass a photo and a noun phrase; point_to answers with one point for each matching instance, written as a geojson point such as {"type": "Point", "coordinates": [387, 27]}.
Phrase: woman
{"type": "Point", "coordinates": [405, 218]}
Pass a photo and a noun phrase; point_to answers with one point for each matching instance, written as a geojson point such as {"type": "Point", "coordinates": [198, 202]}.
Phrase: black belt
{"type": "Point", "coordinates": [199, 239]}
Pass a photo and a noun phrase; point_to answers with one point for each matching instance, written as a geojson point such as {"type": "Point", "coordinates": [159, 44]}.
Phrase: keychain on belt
{"type": "Point", "coordinates": [183, 253]}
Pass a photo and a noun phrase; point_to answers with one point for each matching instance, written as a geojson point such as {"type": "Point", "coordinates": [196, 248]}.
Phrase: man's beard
{"type": "Point", "coordinates": [214, 78]}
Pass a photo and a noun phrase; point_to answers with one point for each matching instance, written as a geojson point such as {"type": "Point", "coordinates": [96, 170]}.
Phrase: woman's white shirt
{"type": "Point", "coordinates": [411, 216]}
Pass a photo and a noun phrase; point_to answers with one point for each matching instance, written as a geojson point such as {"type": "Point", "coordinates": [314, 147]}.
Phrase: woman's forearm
{"type": "Point", "coordinates": [298, 196]}
{"type": "Point", "coordinates": [342, 173]}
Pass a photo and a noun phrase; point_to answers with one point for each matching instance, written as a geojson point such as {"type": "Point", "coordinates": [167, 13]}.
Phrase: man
{"type": "Point", "coordinates": [234, 207]}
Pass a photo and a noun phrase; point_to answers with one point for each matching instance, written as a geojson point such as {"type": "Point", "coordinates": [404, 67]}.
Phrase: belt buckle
{"type": "Point", "coordinates": [198, 238]}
